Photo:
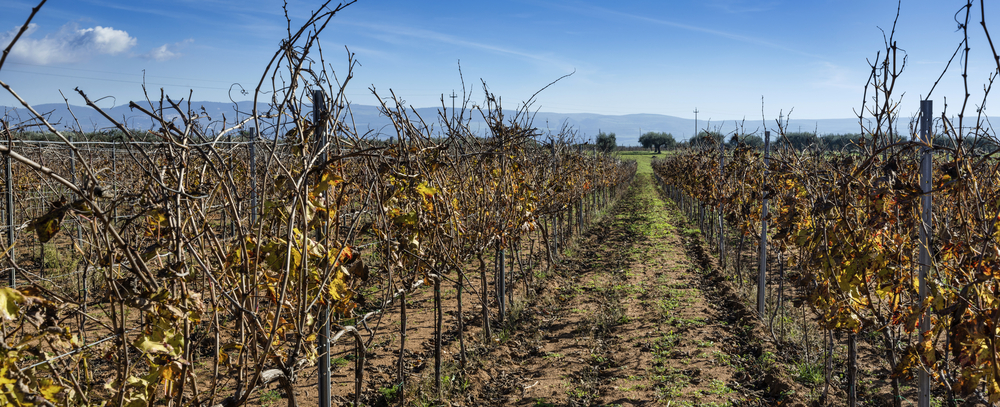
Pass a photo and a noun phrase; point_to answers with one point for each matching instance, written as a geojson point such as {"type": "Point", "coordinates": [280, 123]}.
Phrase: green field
{"type": "Point", "coordinates": [643, 158]}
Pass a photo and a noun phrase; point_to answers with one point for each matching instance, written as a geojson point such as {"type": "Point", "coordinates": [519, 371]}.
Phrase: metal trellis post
{"type": "Point", "coordinates": [253, 176]}
{"type": "Point", "coordinates": [762, 277]}
{"type": "Point", "coordinates": [324, 343]}
{"type": "Point", "coordinates": [502, 282]}
{"type": "Point", "coordinates": [10, 217]}
{"type": "Point", "coordinates": [926, 115]}
{"type": "Point", "coordinates": [722, 226]}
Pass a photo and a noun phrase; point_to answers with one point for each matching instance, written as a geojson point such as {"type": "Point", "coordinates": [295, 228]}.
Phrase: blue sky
{"type": "Point", "coordinates": [662, 57]}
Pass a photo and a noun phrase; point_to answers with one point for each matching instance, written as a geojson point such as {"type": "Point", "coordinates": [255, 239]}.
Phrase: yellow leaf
{"type": "Point", "coordinates": [162, 340]}
{"type": "Point", "coordinates": [425, 190]}
{"type": "Point", "coordinates": [338, 288]}
{"type": "Point", "coordinates": [48, 389]}
{"type": "Point", "coordinates": [326, 181]}
{"type": "Point", "coordinates": [9, 298]}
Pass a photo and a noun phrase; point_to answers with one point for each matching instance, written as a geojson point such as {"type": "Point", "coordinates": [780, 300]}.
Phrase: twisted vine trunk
{"type": "Point", "coordinates": [891, 355]}
{"type": "Point", "coordinates": [438, 318]}
{"type": "Point", "coordinates": [487, 333]}
{"type": "Point", "coordinates": [459, 285]}
{"type": "Point", "coordinates": [852, 369]}
{"type": "Point", "coordinates": [402, 347]}
{"type": "Point", "coordinates": [549, 260]}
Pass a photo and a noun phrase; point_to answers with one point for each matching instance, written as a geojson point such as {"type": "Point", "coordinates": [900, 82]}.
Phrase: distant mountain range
{"type": "Point", "coordinates": [627, 128]}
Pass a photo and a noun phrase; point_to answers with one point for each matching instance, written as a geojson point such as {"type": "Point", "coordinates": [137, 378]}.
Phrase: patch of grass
{"type": "Point", "coordinates": [543, 403]}
{"type": "Point", "coordinates": [691, 232]}
{"type": "Point", "coordinates": [809, 374]}
{"type": "Point", "coordinates": [578, 393]}
{"type": "Point", "coordinates": [666, 306]}
{"type": "Point", "coordinates": [632, 388]}
{"type": "Point", "coordinates": [339, 362]}
{"type": "Point", "coordinates": [719, 387]}
{"type": "Point", "coordinates": [269, 397]}
{"type": "Point", "coordinates": [766, 361]}
{"type": "Point", "coordinates": [389, 393]}
{"type": "Point", "coordinates": [503, 335]}
{"type": "Point", "coordinates": [722, 358]}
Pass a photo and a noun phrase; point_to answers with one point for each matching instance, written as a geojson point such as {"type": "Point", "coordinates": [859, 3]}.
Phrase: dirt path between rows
{"type": "Point", "coordinates": [634, 316]}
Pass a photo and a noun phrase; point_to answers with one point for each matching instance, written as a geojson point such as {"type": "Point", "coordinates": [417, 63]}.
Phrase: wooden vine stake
{"type": "Point", "coordinates": [926, 115]}
{"type": "Point", "coordinates": [762, 277]}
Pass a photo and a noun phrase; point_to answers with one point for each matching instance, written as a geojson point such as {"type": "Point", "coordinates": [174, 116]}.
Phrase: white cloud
{"type": "Point", "coordinates": [69, 44]}
{"type": "Point", "coordinates": [161, 53]}
{"type": "Point", "coordinates": [166, 51]}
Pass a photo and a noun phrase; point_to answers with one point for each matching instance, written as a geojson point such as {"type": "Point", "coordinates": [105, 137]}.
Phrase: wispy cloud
{"type": "Point", "coordinates": [17, 5]}
{"type": "Point", "coordinates": [743, 6]}
{"type": "Point", "coordinates": [169, 12]}
{"type": "Point", "coordinates": [381, 32]}
{"type": "Point", "coordinates": [215, 14]}
{"type": "Point", "coordinates": [830, 75]}
{"type": "Point", "coordinates": [166, 52]}
{"type": "Point", "coordinates": [69, 44]}
{"type": "Point", "coordinates": [605, 13]}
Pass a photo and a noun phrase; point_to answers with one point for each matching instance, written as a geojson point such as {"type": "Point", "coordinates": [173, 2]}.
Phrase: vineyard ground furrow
{"type": "Point", "coordinates": [635, 315]}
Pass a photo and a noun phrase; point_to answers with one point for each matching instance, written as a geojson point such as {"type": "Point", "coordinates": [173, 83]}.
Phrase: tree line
{"type": "Point", "coordinates": [659, 141]}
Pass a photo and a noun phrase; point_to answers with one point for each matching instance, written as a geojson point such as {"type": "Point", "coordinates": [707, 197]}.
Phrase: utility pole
{"type": "Point", "coordinates": [453, 96]}
{"type": "Point", "coordinates": [695, 122]}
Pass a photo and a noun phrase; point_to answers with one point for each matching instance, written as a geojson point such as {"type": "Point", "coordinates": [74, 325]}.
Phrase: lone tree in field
{"type": "Point", "coordinates": [706, 139]}
{"type": "Point", "coordinates": [656, 140]}
{"type": "Point", "coordinates": [606, 142]}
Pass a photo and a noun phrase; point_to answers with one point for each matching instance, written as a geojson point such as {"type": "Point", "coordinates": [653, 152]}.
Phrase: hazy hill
{"type": "Point", "coordinates": [626, 127]}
